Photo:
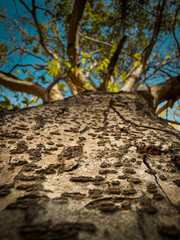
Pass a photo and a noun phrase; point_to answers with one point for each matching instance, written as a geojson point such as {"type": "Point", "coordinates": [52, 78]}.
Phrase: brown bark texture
{"type": "Point", "coordinates": [94, 166]}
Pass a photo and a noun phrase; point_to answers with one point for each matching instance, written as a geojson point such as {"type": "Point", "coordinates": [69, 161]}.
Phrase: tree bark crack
{"type": "Point", "coordinates": [156, 180]}
{"type": "Point", "coordinates": [143, 126]}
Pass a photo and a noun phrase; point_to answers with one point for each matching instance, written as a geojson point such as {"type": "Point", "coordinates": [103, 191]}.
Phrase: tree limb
{"type": "Point", "coordinates": [111, 66]}
{"type": "Point", "coordinates": [173, 30]}
{"type": "Point", "coordinates": [73, 32]}
{"type": "Point", "coordinates": [161, 109]}
{"type": "Point", "coordinates": [13, 22]}
{"type": "Point", "coordinates": [166, 91]}
{"type": "Point", "coordinates": [36, 66]}
{"type": "Point", "coordinates": [78, 79]}
{"type": "Point", "coordinates": [21, 86]}
{"type": "Point", "coordinates": [29, 53]}
{"type": "Point", "coordinates": [14, 84]}
{"type": "Point", "coordinates": [56, 80]}
{"type": "Point", "coordinates": [26, 6]}
{"type": "Point", "coordinates": [147, 51]}
{"type": "Point", "coordinates": [41, 38]}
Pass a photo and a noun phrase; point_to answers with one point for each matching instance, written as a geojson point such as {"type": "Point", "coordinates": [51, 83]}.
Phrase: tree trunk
{"type": "Point", "coordinates": [94, 166]}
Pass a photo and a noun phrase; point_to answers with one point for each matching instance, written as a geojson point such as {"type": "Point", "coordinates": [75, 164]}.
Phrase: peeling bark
{"type": "Point", "coordinates": [94, 166]}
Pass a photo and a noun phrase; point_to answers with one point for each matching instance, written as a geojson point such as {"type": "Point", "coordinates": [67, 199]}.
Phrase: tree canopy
{"type": "Point", "coordinates": [52, 49]}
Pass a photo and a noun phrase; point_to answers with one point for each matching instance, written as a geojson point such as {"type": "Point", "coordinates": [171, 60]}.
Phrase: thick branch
{"type": "Point", "coordinates": [73, 32]}
{"type": "Point", "coordinates": [169, 90]}
{"type": "Point", "coordinates": [77, 78]}
{"type": "Point", "coordinates": [147, 51]}
{"type": "Point", "coordinates": [133, 79]}
{"type": "Point", "coordinates": [22, 86]}
{"type": "Point", "coordinates": [14, 84]}
{"type": "Point", "coordinates": [153, 40]}
{"type": "Point", "coordinates": [112, 64]}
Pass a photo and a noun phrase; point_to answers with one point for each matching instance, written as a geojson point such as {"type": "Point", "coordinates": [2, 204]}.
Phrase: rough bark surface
{"type": "Point", "coordinates": [93, 166]}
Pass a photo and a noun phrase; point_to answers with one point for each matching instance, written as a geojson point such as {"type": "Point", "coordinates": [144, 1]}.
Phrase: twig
{"type": "Point", "coordinates": [95, 40]}
{"type": "Point", "coordinates": [36, 66]}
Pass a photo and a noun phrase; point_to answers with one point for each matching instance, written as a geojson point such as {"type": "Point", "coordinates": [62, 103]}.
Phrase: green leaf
{"type": "Point", "coordinates": [29, 78]}
{"type": "Point", "coordinates": [137, 63]}
{"type": "Point", "coordinates": [123, 76]}
{"type": "Point", "coordinates": [83, 60]}
{"type": "Point", "coordinates": [168, 56]}
{"type": "Point", "coordinates": [137, 55]}
{"type": "Point", "coordinates": [53, 67]}
{"type": "Point", "coordinates": [68, 65]}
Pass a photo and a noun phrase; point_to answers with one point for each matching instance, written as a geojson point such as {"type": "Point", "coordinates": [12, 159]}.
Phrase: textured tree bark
{"type": "Point", "coordinates": [93, 166]}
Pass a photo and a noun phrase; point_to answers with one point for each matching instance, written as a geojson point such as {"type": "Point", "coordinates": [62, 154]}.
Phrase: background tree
{"type": "Point", "coordinates": [96, 45]}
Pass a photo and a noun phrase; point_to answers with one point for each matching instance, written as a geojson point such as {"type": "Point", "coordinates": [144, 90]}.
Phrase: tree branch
{"type": "Point", "coordinates": [30, 53]}
{"type": "Point", "coordinates": [73, 32]}
{"type": "Point", "coordinates": [10, 20]}
{"type": "Point", "coordinates": [169, 90]}
{"type": "Point", "coordinates": [56, 80]}
{"type": "Point", "coordinates": [175, 19]}
{"type": "Point", "coordinates": [36, 66]}
{"type": "Point", "coordinates": [144, 9]}
{"type": "Point", "coordinates": [21, 86]}
{"type": "Point", "coordinates": [147, 51]}
{"type": "Point", "coordinates": [41, 38]}
{"type": "Point", "coordinates": [78, 79]}
{"type": "Point", "coordinates": [111, 65]}
{"type": "Point", "coordinates": [26, 6]}
{"type": "Point", "coordinates": [95, 40]}
{"type": "Point", "coordinates": [161, 109]}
